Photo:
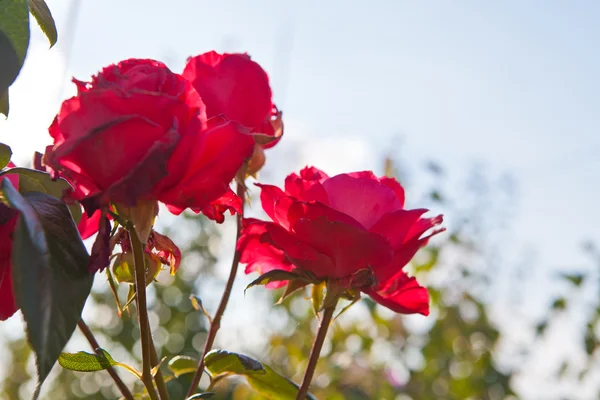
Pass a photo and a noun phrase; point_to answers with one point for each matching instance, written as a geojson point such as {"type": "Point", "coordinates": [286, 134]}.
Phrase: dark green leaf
{"type": "Point", "coordinates": [86, 362]}
{"type": "Point", "coordinates": [5, 155]}
{"type": "Point", "coordinates": [180, 365]}
{"type": "Point", "coordinates": [220, 362]}
{"type": "Point", "coordinates": [39, 9]}
{"type": "Point", "coordinates": [50, 274]}
{"type": "Point", "coordinates": [4, 106]}
{"type": "Point", "coordinates": [31, 180]}
{"type": "Point", "coordinates": [14, 40]}
{"type": "Point", "coordinates": [278, 275]}
{"type": "Point", "coordinates": [292, 287]}
{"type": "Point", "coordinates": [205, 395]}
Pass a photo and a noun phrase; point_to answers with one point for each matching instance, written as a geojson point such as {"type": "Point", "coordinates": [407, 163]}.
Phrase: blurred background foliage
{"type": "Point", "coordinates": [458, 352]}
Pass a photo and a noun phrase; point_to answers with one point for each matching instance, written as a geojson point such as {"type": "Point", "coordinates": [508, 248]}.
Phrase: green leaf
{"type": "Point", "coordinates": [14, 40]}
{"type": "Point", "coordinates": [292, 287]}
{"type": "Point", "coordinates": [260, 377]}
{"type": "Point", "coordinates": [274, 386]}
{"type": "Point", "coordinates": [50, 275]}
{"type": "Point", "coordinates": [278, 275]}
{"type": "Point", "coordinates": [4, 107]}
{"type": "Point", "coordinates": [5, 155]}
{"type": "Point", "coordinates": [86, 362]}
{"type": "Point", "coordinates": [318, 291]}
{"type": "Point", "coordinates": [31, 180]}
{"type": "Point", "coordinates": [205, 395]}
{"type": "Point", "coordinates": [180, 365]}
{"type": "Point", "coordinates": [39, 9]}
{"type": "Point", "coordinates": [123, 269]}
{"type": "Point", "coordinates": [220, 362]}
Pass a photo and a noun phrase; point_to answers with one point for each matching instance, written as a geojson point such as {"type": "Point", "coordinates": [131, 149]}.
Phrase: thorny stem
{"type": "Point", "coordinates": [111, 371]}
{"type": "Point", "coordinates": [216, 323]}
{"type": "Point", "coordinates": [142, 310]}
{"type": "Point", "coordinates": [315, 352]}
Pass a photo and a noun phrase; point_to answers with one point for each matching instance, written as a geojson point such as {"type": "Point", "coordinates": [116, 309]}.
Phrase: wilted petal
{"type": "Point", "coordinates": [168, 252]}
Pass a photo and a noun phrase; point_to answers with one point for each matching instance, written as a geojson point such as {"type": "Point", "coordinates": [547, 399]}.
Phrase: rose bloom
{"type": "Point", "coordinates": [352, 228]}
{"type": "Point", "coordinates": [139, 132]}
{"type": "Point", "coordinates": [8, 220]}
{"type": "Point", "coordinates": [235, 86]}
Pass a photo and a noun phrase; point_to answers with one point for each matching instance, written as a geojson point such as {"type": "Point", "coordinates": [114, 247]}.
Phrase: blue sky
{"type": "Point", "coordinates": [510, 85]}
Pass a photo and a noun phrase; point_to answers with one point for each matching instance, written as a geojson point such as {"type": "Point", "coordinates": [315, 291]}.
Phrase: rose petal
{"type": "Point", "coordinates": [260, 256]}
{"type": "Point", "coordinates": [217, 208]}
{"type": "Point", "coordinates": [233, 85]}
{"type": "Point", "coordinates": [396, 225]}
{"type": "Point", "coordinates": [8, 305]}
{"type": "Point", "coordinates": [350, 248]}
{"type": "Point", "coordinates": [405, 296]}
{"type": "Point", "coordinates": [216, 156]}
{"type": "Point", "coordinates": [365, 199]}
{"type": "Point", "coordinates": [88, 226]}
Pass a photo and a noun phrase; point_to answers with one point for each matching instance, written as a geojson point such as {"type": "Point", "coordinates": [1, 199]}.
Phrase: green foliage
{"type": "Point", "coordinates": [222, 362]}
{"type": "Point", "coordinates": [39, 9]}
{"type": "Point", "coordinates": [278, 275]}
{"type": "Point", "coordinates": [51, 279]}
{"type": "Point", "coordinates": [14, 40]}
{"type": "Point", "coordinates": [37, 181]}
{"type": "Point", "coordinates": [86, 362]}
{"type": "Point", "coordinates": [180, 365]}
{"type": "Point", "coordinates": [205, 395]}
{"type": "Point", "coordinates": [261, 377]}
{"type": "Point", "coordinates": [5, 155]}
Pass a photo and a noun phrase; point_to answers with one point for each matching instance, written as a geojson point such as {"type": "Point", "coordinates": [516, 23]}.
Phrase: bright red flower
{"type": "Point", "coordinates": [351, 227]}
{"type": "Point", "coordinates": [8, 220]}
{"type": "Point", "coordinates": [237, 87]}
{"type": "Point", "coordinates": [138, 131]}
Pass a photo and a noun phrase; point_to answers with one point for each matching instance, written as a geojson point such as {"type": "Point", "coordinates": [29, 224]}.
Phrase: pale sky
{"type": "Point", "coordinates": [510, 85]}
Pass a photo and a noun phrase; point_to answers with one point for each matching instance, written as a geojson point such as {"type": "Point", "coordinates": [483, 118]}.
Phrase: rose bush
{"type": "Point", "coordinates": [235, 86]}
{"type": "Point", "coordinates": [138, 131]}
{"type": "Point", "coordinates": [351, 228]}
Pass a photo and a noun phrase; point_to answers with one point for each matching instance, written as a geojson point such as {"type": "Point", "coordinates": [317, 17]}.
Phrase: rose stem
{"type": "Point", "coordinates": [142, 310]}
{"type": "Point", "coordinates": [315, 352]}
{"type": "Point", "coordinates": [111, 371]}
{"type": "Point", "coordinates": [216, 323]}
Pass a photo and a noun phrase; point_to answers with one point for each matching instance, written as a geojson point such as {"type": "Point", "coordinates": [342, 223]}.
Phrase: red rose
{"type": "Point", "coordinates": [137, 132]}
{"type": "Point", "coordinates": [8, 220]}
{"type": "Point", "coordinates": [237, 87]}
{"type": "Point", "coordinates": [350, 227]}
